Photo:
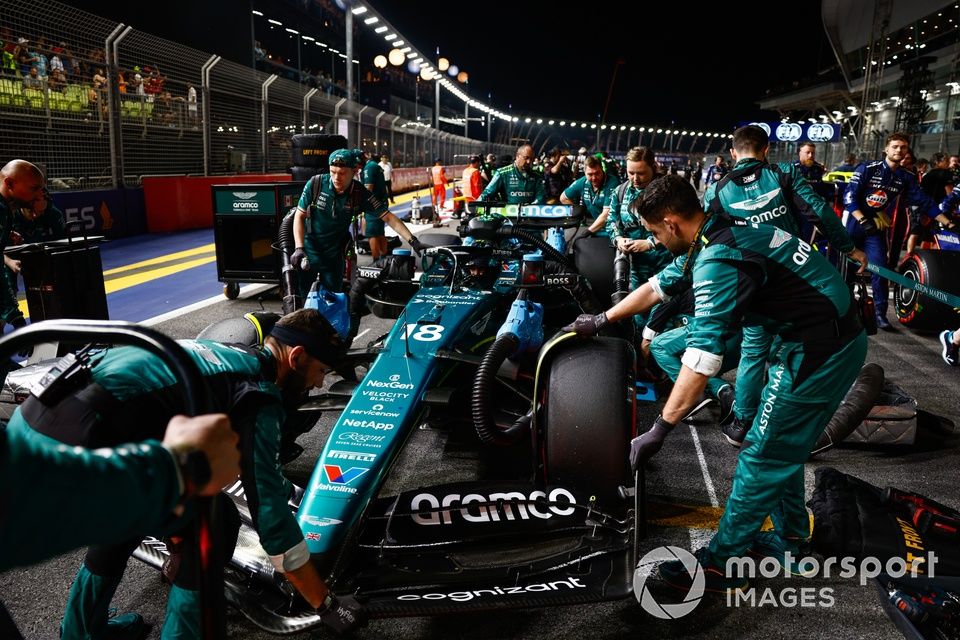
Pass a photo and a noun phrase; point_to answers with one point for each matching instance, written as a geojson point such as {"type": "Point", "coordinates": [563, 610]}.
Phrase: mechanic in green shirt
{"type": "Point", "coordinates": [373, 227]}
{"type": "Point", "coordinates": [592, 190]}
{"type": "Point", "coordinates": [321, 226]}
{"type": "Point", "coordinates": [130, 396]}
{"type": "Point", "coordinates": [623, 225]}
{"type": "Point", "coordinates": [517, 183]}
{"type": "Point", "coordinates": [758, 276]}
{"type": "Point", "coordinates": [84, 487]}
{"type": "Point", "coordinates": [21, 184]}
{"type": "Point", "coordinates": [777, 195]}
{"type": "Point", "coordinates": [43, 221]}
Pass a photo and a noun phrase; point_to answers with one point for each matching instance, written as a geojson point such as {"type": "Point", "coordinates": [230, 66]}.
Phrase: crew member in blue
{"type": "Point", "coordinates": [715, 172]}
{"type": "Point", "coordinates": [869, 203]}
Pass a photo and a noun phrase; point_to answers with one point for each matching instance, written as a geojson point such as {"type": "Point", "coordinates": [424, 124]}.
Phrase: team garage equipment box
{"type": "Point", "coordinates": [63, 278]}
{"type": "Point", "coordinates": [246, 218]}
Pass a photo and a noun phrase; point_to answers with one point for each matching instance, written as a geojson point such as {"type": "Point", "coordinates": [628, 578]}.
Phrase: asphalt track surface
{"type": "Point", "coordinates": [694, 470]}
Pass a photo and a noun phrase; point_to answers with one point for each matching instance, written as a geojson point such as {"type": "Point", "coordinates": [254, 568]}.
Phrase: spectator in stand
{"type": "Point", "coordinates": [192, 110]}
{"type": "Point", "coordinates": [138, 88]}
{"type": "Point", "coordinates": [33, 80]}
{"type": "Point", "coordinates": [121, 82]}
{"type": "Point", "coordinates": [715, 172]}
{"type": "Point", "coordinates": [99, 80]}
{"type": "Point", "coordinates": [258, 51]}
{"type": "Point", "coordinates": [438, 174]}
{"type": "Point", "coordinates": [163, 110]}
{"type": "Point", "coordinates": [56, 64]}
{"type": "Point", "coordinates": [387, 169]}
{"type": "Point", "coordinates": [471, 183]}
{"type": "Point", "coordinates": [39, 61]}
{"type": "Point", "coordinates": [57, 81]}
{"type": "Point", "coordinates": [557, 175]}
{"type": "Point", "coordinates": [849, 163]}
{"type": "Point", "coordinates": [23, 56]}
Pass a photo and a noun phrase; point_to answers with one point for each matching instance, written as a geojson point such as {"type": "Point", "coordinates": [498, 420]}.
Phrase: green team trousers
{"type": "Point", "coordinates": [768, 479]}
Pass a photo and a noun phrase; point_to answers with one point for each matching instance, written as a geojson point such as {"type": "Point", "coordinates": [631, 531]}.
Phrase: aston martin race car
{"type": "Point", "coordinates": [475, 350]}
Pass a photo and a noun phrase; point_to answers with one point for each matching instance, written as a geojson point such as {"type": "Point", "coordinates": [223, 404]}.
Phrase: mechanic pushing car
{"type": "Point", "coordinates": [757, 275]}
{"type": "Point", "coordinates": [869, 204]}
{"type": "Point", "coordinates": [129, 395]}
{"type": "Point", "coordinates": [516, 184]}
{"type": "Point", "coordinates": [779, 195]}
{"type": "Point", "coordinates": [321, 227]}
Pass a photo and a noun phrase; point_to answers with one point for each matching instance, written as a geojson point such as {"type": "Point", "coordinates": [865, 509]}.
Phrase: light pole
{"type": "Point", "coordinates": [349, 38]}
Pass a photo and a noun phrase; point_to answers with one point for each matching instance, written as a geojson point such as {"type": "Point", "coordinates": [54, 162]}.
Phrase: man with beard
{"type": "Point", "coordinates": [129, 396]}
{"type": "Point", "coordinates": [21, 183]}
{"type": "Point", "coordinates": [754, 275]}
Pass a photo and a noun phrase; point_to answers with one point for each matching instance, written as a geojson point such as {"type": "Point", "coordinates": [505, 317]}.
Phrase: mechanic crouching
{"type": "Point", "coordinates": [321, 227]}
{"type": "Point", "coordinates": [754, 275]}
{"type": "Point", "coordinates": [128, 396]}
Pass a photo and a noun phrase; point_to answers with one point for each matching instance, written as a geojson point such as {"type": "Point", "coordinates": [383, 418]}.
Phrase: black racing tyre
{"type": "Point", "coordinates": [938, 269]}
{"type": "Point", "coordinates": [313, 149]}
{"type": "Point", "coordinates": [588, 416]}
{"type": "Point", "coordinates": [593, 258]}
{"type": "Point", "coordinates": [231, 290]}
{"type": "Point", "coordinates": [439, 239]}
{"type": "Point", "coordinates": [302, 174]}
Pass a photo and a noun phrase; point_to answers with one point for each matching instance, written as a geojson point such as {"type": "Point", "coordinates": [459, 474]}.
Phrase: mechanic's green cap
{"type": "Point", "coordinates": [343, 158]}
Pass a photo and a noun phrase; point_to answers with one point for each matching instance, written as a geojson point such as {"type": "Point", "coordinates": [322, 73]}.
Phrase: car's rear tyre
{"type": "Point", "coordinates": [589, 409]}
{"type": "Point", "coordinates": [936, 269]}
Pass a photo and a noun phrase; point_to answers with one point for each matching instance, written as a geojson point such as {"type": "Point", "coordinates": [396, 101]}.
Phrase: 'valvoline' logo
{"type": "Point", "coordinates": [336, 474]}
{"type": "Point", "coordinates": [877, 200]}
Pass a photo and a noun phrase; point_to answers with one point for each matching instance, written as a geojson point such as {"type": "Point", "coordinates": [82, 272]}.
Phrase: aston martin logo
{"type": "Point", "coordinates": [244, 195]}
{"type": "Point", "coordinates": [755, 203]}
{"type": "Point", "coordinates": [780, 238]}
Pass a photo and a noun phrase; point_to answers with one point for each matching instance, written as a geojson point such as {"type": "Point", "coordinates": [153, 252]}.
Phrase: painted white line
{"type": "Point", "coordinates": [703, 467]}
{"type": "Point", "coordinates": [248, 290]}
{"type": "Point", "coordinates": [361, 333]}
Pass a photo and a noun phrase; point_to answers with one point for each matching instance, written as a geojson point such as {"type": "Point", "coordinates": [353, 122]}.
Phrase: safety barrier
{"type": "Point", "coordinates": [197, 113]}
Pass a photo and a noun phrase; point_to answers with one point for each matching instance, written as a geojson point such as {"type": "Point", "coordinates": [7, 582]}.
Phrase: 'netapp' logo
{"type": "Point", "coordinates": [428, 509]}
{"type": "Point", "coordinates": [465, 596]}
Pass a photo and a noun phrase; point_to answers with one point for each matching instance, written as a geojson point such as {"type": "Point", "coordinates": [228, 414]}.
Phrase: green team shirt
{"type": "Point", "coordinates": [775, 195]}
{"type": "Point", "coordinates": [621, 221]}
{"type": "Point", "coordinates": [84, 488]}
{"type": "Point", "coordinates": [758, 275]}
{"type": "Point", "coordinates": [48, 226]}
{"type": "Point", "coordinates": [373, 175]}
{"type": "Point", "coordinates": [149, 394]}
{"type": "Point", "coordinates": [8, 302]}
{"type": "Point", "coordinates": [582, 192]}
{"type": "Point", "coordinates": [331, 214]}
{"type": "Point", "coordinates": [512, 186]}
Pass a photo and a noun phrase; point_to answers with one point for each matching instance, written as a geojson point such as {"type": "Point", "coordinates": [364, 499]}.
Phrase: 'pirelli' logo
{"type": "Point", "coordinates": [351, 455]}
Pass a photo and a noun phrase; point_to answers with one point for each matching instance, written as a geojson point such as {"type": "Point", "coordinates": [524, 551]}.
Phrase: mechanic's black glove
{"type": "Point", "coordinates": [18, 323]}
{"type": "Point", "coordinates": [342, 615]}
{"type": "Point", "coordinates": [869, 226]}
{"type": "Point", "coordinates": [588, 325]}
{"type": "Point", "coordinates": [644, 446]}
{"type": "Point", "coordinates": [417, 246]}
{"type": "Point", "coordinates": [299, 260]}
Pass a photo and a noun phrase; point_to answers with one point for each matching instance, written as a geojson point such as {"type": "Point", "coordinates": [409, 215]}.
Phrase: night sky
{"type": "Point", "coordinates": [705, 66]}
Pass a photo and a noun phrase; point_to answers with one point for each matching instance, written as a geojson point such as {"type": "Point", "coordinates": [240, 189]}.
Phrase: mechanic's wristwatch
{"type": "Point", "coordinates": [194, 469]}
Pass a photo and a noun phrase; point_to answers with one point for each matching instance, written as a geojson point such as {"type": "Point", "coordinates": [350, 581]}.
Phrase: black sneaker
{"type": "Point", "coordinates": [726, 396]}
{"type": "Point", "coordinates": [676, 574]}
{"type": "Point", "coordinates": [950, 351]}
{"type": "Point", "coordinates": [735, 431]}
{"type": "Point", "coordinates": [698, 408]}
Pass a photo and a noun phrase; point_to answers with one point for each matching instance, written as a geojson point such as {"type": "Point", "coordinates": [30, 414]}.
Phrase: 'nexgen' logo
{"type": "Point", "coordinates": [428, 509]}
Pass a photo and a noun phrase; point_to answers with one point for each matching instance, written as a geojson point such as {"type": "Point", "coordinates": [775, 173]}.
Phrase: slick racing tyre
{"type": "Point", "coordinates": [589, 405]}
{"type": "Point", "coordinates": [938, 269]}
{"type": "Point", "coordinates": [313, 149]}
